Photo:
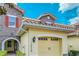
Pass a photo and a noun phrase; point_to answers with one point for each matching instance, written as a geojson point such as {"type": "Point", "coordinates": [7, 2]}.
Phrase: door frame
{"type": "Point", "coordinates": [51, 35]}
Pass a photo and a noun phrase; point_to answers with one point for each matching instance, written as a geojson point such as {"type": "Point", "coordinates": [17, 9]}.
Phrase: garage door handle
{"type": "Point", "coordinates": [49, 48]}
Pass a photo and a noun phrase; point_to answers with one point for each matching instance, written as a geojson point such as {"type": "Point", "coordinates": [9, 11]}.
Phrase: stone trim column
{"type": "Point", "coordinates": [36, 46]}
{"type": "Point", "coordinates": [0, 45]}
{"type": "Point", "coordinates": [64, 47]}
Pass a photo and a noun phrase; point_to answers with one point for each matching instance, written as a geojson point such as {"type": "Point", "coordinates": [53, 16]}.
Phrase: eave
{"type": "Point", "coordinates": [21, 30]}
{"type": "Point", "coordinates": [47, 26]}
{"type": "Point", "coordinates": [20, 10]}
{"type": "Point", "coordinates": [16, 7]}
{"type": "Point", "coordinates": [26, 25]}
{"type": "Point", "coordinates": [76, 34]}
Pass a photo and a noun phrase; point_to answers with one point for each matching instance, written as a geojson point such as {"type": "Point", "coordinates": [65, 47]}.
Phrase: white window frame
{"type": "Point", "coordinates": [48, 17]}
{"type": "Point", "coordinates": [9, 22]}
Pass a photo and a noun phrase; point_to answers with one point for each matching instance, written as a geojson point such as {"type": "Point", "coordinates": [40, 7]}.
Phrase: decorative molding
{"type": "Point", "coordinates": [3, 43]}
{"type": "Point", "coordinates": [50, 35]}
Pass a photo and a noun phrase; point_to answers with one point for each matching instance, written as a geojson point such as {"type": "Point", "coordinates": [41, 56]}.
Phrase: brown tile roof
{"type": "Point", "coordinates": [29, 20]}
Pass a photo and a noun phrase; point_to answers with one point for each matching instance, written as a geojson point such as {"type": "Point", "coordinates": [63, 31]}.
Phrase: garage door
{"type": "Point", "coordinates": [48, 46]}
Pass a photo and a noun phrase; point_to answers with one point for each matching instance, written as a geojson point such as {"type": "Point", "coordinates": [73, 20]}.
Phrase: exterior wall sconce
{"type": "Point", "coordinates": [33, 39]}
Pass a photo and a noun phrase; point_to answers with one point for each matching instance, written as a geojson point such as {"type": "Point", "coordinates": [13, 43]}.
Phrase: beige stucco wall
{"type": "Point", "coordinates": [74, 42]}
{"type": "Point", "coordinates": [32, 48]}
{"type": "Point", "coordinates": [24, 43]}
{"type": "Point", "coordinates": [41, 32]}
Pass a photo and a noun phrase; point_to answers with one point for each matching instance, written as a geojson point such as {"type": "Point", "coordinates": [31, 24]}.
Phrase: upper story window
{"type": "Point", "coordinates": [48, 17]}
{"type": "Point", "coordinates": [12, 21]}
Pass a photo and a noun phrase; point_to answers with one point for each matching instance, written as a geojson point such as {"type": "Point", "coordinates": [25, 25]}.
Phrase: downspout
{"type": "Point", "coordinates": [28, 42]}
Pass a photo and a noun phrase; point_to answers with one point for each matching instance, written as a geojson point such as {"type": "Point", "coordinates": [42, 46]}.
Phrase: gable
{"type": "Point", "coordinates": [10, 7]}
{"type": "Point", "coordinates": [47, 18]}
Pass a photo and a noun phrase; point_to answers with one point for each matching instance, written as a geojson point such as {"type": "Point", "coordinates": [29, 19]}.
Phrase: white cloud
{"type": "Point", "coordinates": [67, 6]}
{"type": "Point", "coordinates": [74, 20]}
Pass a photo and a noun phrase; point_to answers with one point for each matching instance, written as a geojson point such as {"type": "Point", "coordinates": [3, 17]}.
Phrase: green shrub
{"type": "Point", "coordinates": [19, 53]}
{"type": "Point", "coordinates": [3, 53]}
{"type": "Point", "coordinates": [73, 53]}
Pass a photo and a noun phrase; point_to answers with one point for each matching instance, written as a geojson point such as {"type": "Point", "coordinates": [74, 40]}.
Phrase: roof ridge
{"type": "Point", "coordinates": [45, 14]}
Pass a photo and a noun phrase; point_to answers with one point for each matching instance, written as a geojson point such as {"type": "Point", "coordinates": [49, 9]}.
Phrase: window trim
{"type": "Point", "coordinates": [42, 38]}
{"type": "Point", "coordinates": [48, 17]}
{"type": "Point", "coordinates": [14, 22]}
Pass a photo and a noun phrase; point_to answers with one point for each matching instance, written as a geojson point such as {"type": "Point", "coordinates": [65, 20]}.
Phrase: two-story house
{"type": "Point", "coordinates": [10, 20]}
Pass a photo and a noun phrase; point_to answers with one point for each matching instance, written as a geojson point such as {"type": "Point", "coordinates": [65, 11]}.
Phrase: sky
{"type": "Point", "coordinates": [65, 13]}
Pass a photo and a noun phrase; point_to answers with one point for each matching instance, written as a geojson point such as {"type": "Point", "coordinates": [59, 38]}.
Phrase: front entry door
{"type": "Point", "coordinates": [15, 46]}
{"type": "Point", "coordinates": [9, 45]}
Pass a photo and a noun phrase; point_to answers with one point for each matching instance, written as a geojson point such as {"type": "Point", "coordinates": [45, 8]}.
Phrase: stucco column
{"type": "Point", "coordinates": [36, 46]}
{"type": "Point", "coordinates": [2, 46]}
{"type": "Point", "coordinates": [64, 46]}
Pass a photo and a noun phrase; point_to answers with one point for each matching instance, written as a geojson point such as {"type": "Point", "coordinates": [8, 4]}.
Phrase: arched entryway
{"type": "Point", "coordinates": [10, 45]}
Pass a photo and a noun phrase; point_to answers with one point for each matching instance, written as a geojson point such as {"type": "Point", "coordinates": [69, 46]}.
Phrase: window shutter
{"type": "Point", "coordinates": [6, 21]}
{"type": "Point", "coordinates": [17, 22]}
